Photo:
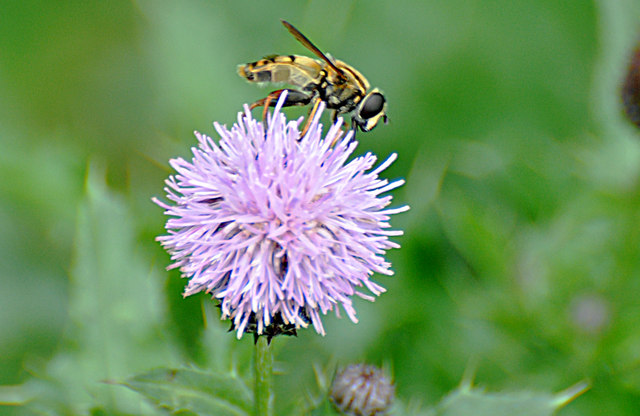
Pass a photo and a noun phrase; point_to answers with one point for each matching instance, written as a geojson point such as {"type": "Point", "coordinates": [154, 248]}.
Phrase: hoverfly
{"type": "Point", "coordinates": [340, 86]}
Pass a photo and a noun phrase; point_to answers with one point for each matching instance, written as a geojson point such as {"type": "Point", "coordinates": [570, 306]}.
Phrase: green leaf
{"type": "Point", "coordinates": [467, 401]}
{"type": "Point", "coordinates": [201, 392]}
{"type": "Point", "coordinates": [116, 312]}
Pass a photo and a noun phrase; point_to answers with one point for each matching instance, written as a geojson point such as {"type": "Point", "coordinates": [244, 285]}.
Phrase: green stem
{"type": "Point", "coordinates": [263, 367]}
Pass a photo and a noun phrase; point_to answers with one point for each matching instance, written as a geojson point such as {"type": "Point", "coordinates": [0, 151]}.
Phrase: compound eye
{"type": "Point", "coordinates": [373, 105]}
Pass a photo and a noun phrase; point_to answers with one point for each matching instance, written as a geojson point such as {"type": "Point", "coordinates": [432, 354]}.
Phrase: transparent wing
{"type": "Point", "coordinates": [313, 48]}
{"type": "Point", "coordinates": [293, 69]}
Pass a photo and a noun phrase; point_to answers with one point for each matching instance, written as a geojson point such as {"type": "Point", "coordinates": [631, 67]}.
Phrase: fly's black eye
{"type": "Point", "coordinates": [373, 104]}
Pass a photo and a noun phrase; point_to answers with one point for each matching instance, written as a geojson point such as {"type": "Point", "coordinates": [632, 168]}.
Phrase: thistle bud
{"type": "Point", "coordinates": [362, 390]}
{"type": "Point", "coordinates": [631, 88]}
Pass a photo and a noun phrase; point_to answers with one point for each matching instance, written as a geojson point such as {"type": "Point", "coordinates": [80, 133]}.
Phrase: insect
{"type": "Point", "coordinates": [341, 87]}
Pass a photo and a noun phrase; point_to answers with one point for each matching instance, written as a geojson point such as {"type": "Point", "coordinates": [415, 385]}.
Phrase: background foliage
{"type": "Point", "coordinates": [521, 253]}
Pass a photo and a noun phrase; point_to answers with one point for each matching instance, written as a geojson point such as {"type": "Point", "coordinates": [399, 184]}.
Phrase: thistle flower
{"type": "Point", "coordinates": [278, 227]}
{"type": "Point", "coordinates": [362, 390]}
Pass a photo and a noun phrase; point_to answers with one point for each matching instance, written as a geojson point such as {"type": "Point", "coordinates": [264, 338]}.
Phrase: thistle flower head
{"type": "Point", "coordinates": [279, 227]}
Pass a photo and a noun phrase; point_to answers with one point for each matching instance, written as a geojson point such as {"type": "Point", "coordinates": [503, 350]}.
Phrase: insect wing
{"type": "Point", "coordinates": [293, 69]}
{"type": "Point", "coordinates": [313, 48]}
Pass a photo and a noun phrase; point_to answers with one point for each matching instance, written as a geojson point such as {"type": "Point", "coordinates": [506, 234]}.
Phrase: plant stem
{"type": "Point", "coordinates": [263, 367]}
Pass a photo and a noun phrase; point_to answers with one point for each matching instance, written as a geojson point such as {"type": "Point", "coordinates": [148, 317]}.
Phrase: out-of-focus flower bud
{"type": "Point", "coordinates": [362, 390]}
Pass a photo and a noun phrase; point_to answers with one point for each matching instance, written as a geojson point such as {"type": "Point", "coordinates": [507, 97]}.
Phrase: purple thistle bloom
{"type": "Point", "coordinates": [277, 227]}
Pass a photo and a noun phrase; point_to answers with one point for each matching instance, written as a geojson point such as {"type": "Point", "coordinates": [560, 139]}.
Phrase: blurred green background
{"type": "Point", "coordinates": [521, 253]}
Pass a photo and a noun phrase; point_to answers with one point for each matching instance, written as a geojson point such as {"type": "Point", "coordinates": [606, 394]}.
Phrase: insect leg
{"type": "Point", "coordinates": [354, 129]}
{"type": "Point", "coordinates": [310, 116]}
{"type": "Point", "coordinates": [344, 129]}
{"type": "Point", "coordinates": [294, 97]}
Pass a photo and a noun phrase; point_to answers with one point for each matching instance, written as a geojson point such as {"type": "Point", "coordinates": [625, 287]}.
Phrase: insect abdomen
{"type": "Point", "coordinates": [288, 69]}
